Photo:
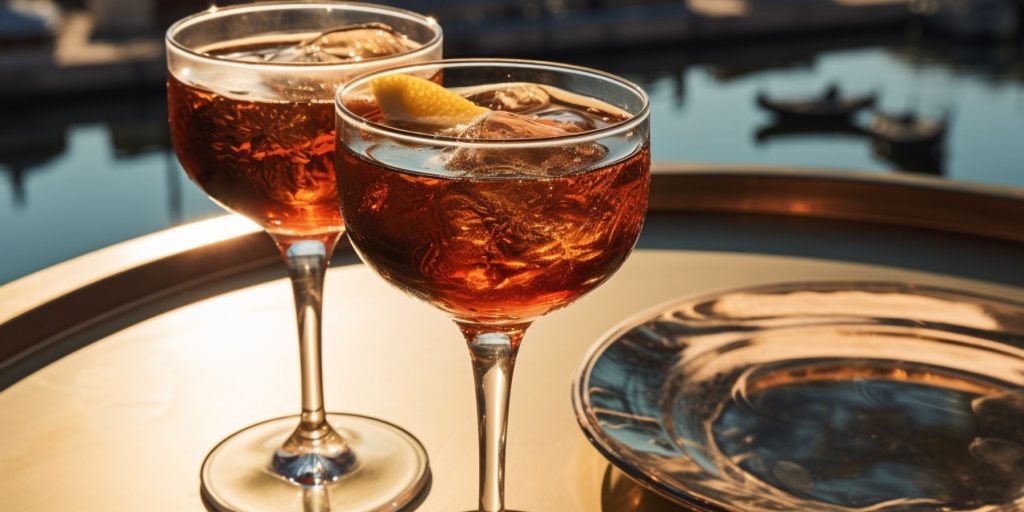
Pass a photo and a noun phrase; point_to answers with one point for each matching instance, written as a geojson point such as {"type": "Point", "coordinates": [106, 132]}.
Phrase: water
{"type": "Point", "coordinates": [718, 119]}
{"type": "Point", "coordinates": [78, 175]}
{"type": "Point", "coordinates": [90, 193]}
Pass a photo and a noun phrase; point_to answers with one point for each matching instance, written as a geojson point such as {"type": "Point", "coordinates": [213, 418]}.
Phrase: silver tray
{"type": "Point", "coordinates": [830, 396]}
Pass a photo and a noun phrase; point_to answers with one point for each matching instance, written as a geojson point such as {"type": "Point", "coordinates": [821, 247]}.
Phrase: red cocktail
{"type": "Point", "coordinates": [250, 93]}
{"type": "Point", "coordinates": [509, 192]}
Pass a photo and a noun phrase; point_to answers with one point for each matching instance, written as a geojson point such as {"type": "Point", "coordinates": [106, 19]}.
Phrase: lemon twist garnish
{"type": "Point", "coordinates": [410, 98]}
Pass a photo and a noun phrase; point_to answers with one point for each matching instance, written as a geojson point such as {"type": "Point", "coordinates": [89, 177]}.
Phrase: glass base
{"type": "Point", "coordinates": [390, 470]}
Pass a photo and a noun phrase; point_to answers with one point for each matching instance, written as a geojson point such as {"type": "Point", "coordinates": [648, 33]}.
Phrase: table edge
{"type": "Point", "coordinates": [96, 286]}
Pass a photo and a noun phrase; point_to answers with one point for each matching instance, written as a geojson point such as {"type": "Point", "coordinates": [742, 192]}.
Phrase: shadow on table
{"type": "Point", "coordinates": [621, 494]}
{"type": "Point", "coordinates": [316, 499]}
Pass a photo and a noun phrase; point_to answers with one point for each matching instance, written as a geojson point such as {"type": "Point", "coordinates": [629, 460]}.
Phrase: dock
{"type": "Point", "coordinates": [77, 63]}
{"type": "Point", "coordinates": [636, 24]}
{"type": "Point", "coordinates": [80, 61]}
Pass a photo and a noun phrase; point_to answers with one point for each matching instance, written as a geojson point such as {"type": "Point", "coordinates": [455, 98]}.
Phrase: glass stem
{"type": "Point", "coordinates": [493, 352]}
{"type": "Point", "coordinates": [307, 262]}
{"type": "Point", "coordinates": [314, 453]}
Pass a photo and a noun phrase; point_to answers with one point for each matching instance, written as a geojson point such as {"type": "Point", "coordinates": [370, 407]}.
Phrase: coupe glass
{"type": "Point", "coordinates": [497, 223]}
{"type": "Point", "coordinates": [250, 95]}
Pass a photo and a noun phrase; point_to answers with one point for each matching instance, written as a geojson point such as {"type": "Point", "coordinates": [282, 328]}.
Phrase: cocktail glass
{"type": "Point", "coordinates": [250, 95]}
{"type": "Point", "coordinates": [495, 218]}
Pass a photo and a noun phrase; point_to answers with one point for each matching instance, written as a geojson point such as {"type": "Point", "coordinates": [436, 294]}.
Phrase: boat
{"type": "Point", "coordinates": [912, 143]}
{"type": "Point", "coordinates": [907, 129]}
{"type": "Point", "coordinates": [830, 105]}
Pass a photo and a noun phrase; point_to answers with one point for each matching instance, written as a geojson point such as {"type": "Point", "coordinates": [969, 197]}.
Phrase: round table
{"type": "Point", "coordinates": [123, 368]}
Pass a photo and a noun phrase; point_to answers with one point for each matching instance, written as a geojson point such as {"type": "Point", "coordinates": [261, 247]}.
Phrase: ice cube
{"type": "Point", "coordinates": [360, 42]}
{"type": "Point", "coordinates": [506, 125]}
{"type": "Point", "coordinates": [298, 54]}
{"type": "Point", "coordinates": [570, 120]}
{"type": "Point", "coordinates": [288, 54]}
{"type": "Point", "coordinates": [519, 97]}
{"type": "Point", "coordinates": [541, 161]}
{"type": "Point", "coordinates": [351, 43]}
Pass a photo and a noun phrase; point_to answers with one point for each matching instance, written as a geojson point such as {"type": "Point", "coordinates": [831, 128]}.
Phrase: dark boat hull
{"type": "Point", "coordinates": [816, 109]}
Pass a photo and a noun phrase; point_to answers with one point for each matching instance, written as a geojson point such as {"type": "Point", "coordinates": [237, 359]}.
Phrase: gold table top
{"type": "Point", "coordinates": [123, 423]}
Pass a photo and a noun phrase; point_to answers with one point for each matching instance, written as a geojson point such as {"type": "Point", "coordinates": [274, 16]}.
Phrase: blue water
{"type": "Point", "coordinates": [88, 198]}
{"type": "Point", "coordinates": [717, 121]}
{"type": "Point", "coordinates": [99, 191]}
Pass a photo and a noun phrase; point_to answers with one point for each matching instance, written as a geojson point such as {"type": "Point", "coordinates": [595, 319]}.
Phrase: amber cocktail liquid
{"type": "Point", "coordinates": [497, 191]}
{"type": "Point", "coordinates": [499, 236]}
{"type": "Point", "coordinates": [272, 162]}
{"type": "Point", "coordinates": [267, 152]}
{"type": "Point", "coordinates": [251, 93]}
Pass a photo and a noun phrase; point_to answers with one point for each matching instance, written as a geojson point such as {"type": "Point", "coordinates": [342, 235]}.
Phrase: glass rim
{"type": "Point", "coordinates": [216, 12]}
{"type": "Point", "coordinates": [409, 136]}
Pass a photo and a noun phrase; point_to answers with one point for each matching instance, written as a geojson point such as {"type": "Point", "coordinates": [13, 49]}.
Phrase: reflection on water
{"type": "Point", "coordinates": [79, 174]}
{"type": "Point", "coordinates": [86, 173]}
{"type": "Point", "coordinates": [705, 110]}
{"type": "Point", "coordinates": [34, 135]}
{"type": "Point", "coordinates": [779, 130]}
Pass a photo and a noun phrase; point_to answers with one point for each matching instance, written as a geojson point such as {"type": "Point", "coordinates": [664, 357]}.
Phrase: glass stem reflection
{"type": "Point", "coordinates": [314, 453]}
{"type": "Point", "coordinates": [493, 352]}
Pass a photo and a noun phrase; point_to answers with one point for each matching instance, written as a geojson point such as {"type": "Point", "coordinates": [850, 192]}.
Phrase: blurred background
{"type": "Point", "coordinates": [932, 87]}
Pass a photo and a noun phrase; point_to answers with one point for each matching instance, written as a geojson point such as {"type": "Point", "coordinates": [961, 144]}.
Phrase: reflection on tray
{"type": "Point", "coordinates": [817, 396]}
{"type": "Point", "coordinates": [621, 494]}
{"type": "Point", "coordinates": [856, 434]}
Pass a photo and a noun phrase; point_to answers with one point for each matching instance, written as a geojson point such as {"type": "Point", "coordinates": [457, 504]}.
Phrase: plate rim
{"type": "Point", "coordinates": [581, 402]}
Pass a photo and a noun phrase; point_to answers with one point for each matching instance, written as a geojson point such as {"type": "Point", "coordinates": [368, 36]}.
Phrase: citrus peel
{"type": "Point", "coordinates": [414, 99]}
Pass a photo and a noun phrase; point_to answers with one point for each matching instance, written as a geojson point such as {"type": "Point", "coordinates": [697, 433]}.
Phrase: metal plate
{"type": "Point", "coordinates": [821, 396]}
